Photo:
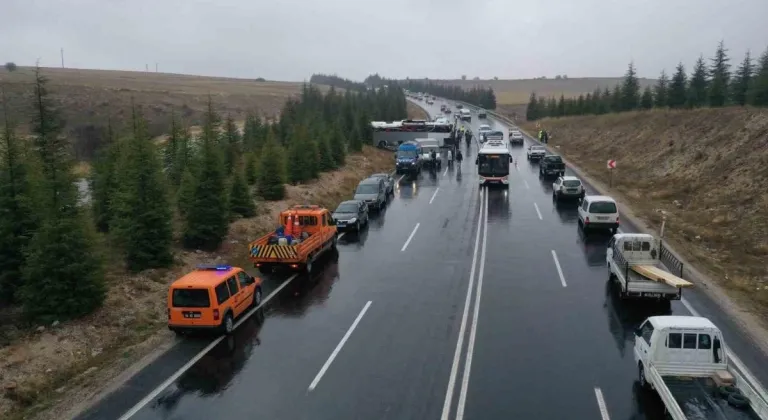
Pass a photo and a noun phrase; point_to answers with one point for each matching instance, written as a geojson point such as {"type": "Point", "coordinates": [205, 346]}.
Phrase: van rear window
{"type": "Point", "coordinates": [603, 207]}
{"type": "Point", "coordinates": [191, 298]}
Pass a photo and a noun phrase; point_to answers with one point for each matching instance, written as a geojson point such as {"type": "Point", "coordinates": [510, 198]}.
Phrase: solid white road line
{"type": "Point", "coordinates": [341, 235]}
{"type": "Point", "coordinates": [401, 178]}
{"type": "Point", "coordinates": [473, 332]}
{"type": "Point", "coordinates": [526, 185]}
{"type": "Point", "coordinates": [410, 237]}
{"type": "Point", "coordinates": [559, 270]}
{"type": "Point", "coordinates": [537, 210]}
{"type": "Point", "coordinates": [446, 171]}
{"type": "Point", "coordinates": [336, 351]}
{"type": "Point", "coordinates": [601, 404]}
{"type": "Point", "coordinates": [152, 395]}
{"type": "Point", "coordinates": [434, 195]}
{"type": "Point", "coordinates": [463, 326]}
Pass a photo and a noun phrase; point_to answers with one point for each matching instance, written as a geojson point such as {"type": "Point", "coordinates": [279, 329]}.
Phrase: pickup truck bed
{"type": "Point", "coordinates": [699, 400]}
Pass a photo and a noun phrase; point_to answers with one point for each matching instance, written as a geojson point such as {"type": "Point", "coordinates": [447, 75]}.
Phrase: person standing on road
{"type": "Point", "coordinates": [450, 157]}
{"type": "Point", "coordinates": [459, 156]}
{"type": "Point", "coordinates": [545, 136]}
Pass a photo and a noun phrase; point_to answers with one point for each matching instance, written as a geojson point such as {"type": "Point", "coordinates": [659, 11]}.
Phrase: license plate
{"type": "Point", "coordinates": [602, 218]}
{"type": "Point", "coordinates": [191, 315]}
{"type": "Point", "coordinates": [653, 295]}
{"type": "Point", "coordinates": [341, 224]}
{"type": "Point", "coordinates": [573, 191]}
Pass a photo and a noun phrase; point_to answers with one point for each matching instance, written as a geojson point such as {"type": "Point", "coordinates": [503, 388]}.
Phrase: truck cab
{"type": "Point", "coordinates": [551, 165]}
{"type": "Point", "coordinates": [408, 158]}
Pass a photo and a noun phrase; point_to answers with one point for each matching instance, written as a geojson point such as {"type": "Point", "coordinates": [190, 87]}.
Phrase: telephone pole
{"type": "Point", "coordinates": [155, 67]}
{"type": "Point", "coordinates": [146, 68]}
{"type": "Point", "coordinates": [62, 58]}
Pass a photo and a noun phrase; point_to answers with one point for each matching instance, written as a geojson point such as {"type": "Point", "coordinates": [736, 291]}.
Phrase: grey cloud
{"type": "Point", "coordinates": [291, 39]}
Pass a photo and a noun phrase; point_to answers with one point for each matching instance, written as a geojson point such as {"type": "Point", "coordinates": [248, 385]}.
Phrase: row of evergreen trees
{"type": "Point", "coordinates": [337, 82]}
{"type": "Point", "coordinates": [712, 85]}
{"type": "Point", "coordinates": [49, 259]}
{"type": "Point", "coordinates": [477, 95]}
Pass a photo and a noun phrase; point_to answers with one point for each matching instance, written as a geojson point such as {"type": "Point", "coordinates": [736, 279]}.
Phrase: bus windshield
{"type": "Point", "coordinates": [496, 165]}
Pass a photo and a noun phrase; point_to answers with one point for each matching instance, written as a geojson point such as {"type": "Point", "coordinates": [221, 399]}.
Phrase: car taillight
{"type": "Point", "coordinates": [215, 314]}
{"type": "Point", "coordinates": [586, 220]}
{"type": "Point", "coordinates": [617, 220]}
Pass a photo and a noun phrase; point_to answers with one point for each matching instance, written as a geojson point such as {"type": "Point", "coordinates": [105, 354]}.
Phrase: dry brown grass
{"type": "Point", "coordinates": [416, 112]}
{"type": "Point", "coordinates": [87, 98]}
{"type": "Point", "coordinates": [707, 169]}
{"type": "Point", "coordinates": [517, 92]}
{"type": "Point", "coordinates": [46, 373]}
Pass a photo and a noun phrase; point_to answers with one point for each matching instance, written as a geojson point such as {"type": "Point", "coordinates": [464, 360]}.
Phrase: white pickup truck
{"type": "Point", "coordinates": [684, 359]}
{"type": "Point", "coordinates": [634, 262]}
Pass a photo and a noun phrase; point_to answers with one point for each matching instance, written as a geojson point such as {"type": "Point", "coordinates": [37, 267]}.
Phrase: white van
{"type": "Point", "coordinates": [598, 212]}
{"type": "Point", "coordinates": [465, 115]}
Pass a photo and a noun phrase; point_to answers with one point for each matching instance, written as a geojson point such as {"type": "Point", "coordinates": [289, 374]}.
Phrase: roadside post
{"type": "Point", "coordinates": [611, 167]}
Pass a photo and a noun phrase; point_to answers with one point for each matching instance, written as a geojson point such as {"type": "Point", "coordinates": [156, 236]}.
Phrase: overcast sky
{"type": "Point", "coordinates": [291, 39]}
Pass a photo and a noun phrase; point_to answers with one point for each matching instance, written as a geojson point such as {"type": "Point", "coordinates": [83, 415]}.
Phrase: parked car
{"type": "Point", "coordinates": [351, 215]}
{"type": "Point", "coordinates": [373, 191]}
{"type": "Point", "coordinates": [388, 181]}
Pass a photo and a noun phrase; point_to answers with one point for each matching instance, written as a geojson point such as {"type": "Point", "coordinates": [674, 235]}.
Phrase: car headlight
{"type": "Point", "coordinates": [353, 220]}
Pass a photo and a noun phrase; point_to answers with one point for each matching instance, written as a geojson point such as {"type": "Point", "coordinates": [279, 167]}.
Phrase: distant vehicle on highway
{"type": "Point", "coordinates": [492, 162]}
{"type": "Point", "coordinates": [482, 114]}
{"type": "Point", "coordinates": [567, 187]}
{"type": "Point", "coordinates": [536, 152]}
{"type": "Point", "coordinates": [684, 358]}
{"type": "Point", "coordinates": [482, 131]}
{"type": "Point", "coordinates": [442, 107]}
{"type": "Point", "coordinates": [465, 115]}
{"type": "Point", "coordinates": [351, 215]}
{"type": "Point", "coordinates": [516, 137]}
{"type": "Point", "coordinates": [459, 106]}
{"type": "Point", "coordinates": [430, 102]}
{"type": "Point", "coordinates": [388, 180]}
{"type": "Point", "coordinates": [447, 110]}
{"type": "Point", "coordinates": [633, 259]}
{"type": "Point", "coordinates": [211, 298]}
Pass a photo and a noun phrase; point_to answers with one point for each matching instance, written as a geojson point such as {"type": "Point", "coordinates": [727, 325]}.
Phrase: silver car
{"type": "Point", "coordinates": [567, 187]}
{"type": "Point", "coordinates": [373, 191]}
{"type": "Point", "coordinates": [388, 181]}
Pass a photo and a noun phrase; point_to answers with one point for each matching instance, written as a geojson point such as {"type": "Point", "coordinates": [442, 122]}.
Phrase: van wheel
{"type": "Point", "coordinates": [334, 241]}
{"type": "Point", "coordinates": [229, 324]}
{"type": "Point", "coordinates": [641, 377]}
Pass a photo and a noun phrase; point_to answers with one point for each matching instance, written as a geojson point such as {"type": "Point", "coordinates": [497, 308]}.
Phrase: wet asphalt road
{"type": "Point", "coordinates": [540, 344]}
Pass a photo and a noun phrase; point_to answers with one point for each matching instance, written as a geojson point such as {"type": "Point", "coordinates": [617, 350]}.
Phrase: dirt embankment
{"type": "Point", "coordinates": [50, 372]}
{"type": "Point", "coordinates": [416, 112]}
{"type": "Point", "coordinates": [706, 169]}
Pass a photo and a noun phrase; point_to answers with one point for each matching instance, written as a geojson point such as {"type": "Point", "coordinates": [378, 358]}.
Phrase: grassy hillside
{"type": "Point", "coordinates": [706, 168]}
{"type": "Point", "coordinates": [517, 92]}
{"type": "Point", "coordinates": [88, 97]}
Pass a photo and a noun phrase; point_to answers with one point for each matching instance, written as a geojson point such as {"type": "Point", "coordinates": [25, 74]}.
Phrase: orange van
{"type": "Point", "coordinates": [211, 298]}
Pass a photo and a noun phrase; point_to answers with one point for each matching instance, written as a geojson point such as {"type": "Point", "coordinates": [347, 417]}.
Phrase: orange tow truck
{"type": "Point", "coordinates": [305, 232]}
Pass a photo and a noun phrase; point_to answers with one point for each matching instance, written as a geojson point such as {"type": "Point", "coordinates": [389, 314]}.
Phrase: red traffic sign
{"type": "Point", "coordinates": [611, 164]}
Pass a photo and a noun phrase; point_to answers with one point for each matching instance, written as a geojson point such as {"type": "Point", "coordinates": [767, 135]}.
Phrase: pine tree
{"type": "Point", "coordinates": [326, 162]}
{"type": "Point", "coordinates": [757, 95]}
{"type": "Point", "coordinates": [561, 106]}
{"type": "Point", "coordinates": [355, 139]}
{"type": "Point", "coordinates": [232, 145]}
{"type": "Point", "coordinates": [252, 133]}
{"type": "Point", "coordinates": [699, 84]}
{"type": "Point", "coordinates": [272, 170]}
{"type": "Point", "coordinates": [62, 264]}
{"type": "Point", "coordinates": [630, 90]}
{"type": "Point", "coordinates": [532, 112]}
{"type": "Point", "coordinates": [589, 104]}
{"type": "Point", "coordinates": [104, 181]}
{"type": "Point", "coordinates": [338, 144]}
{"type": "Point", "coordinates": [251, 171]}
{"type": "Point", "coordinates": [661, 91]}
{"type": "Point", "coordinates": [617, 99]}
{"type": "Point", "coordinates": [742, 80]}
{"type": "Point", "coordinates": [581, 107]}
{"type": "Point", "coordinates": [720, 76]}
{"type": "Point", "coordinates": [678, 88]}
{"type": "Point", "coordinates": [240, 200]}
{"type": "Point", "coordinates": [186, 193]}
{"type": "Point", "coordinates": [18, 217]}
{"type": "Point", "coordinates": [364, 122]}
{"type": "Point", "coordinates": [299, 156]}
{"type": "Point", "coordinates": [173, 153]}
{"type": "Point", "coordinates": [207, 218]}
{"type": "Point", "coordinates": [646, 101]}
{"type": "Point", "coordinates": [141, 210]}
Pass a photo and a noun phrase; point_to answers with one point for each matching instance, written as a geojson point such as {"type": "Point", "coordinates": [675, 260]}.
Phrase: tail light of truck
{"type": "Point", "coordinates": [586, 221]}
{"type": "Point", "coordinates": [617, 220]}
{"type": "Point", "coordinates": [216, 314]}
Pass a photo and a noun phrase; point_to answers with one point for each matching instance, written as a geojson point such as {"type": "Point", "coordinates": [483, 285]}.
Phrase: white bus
{"type": "Point", "coordinates": [493, 161]}
{"type": "Point", "coordinates": [392, 134]}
